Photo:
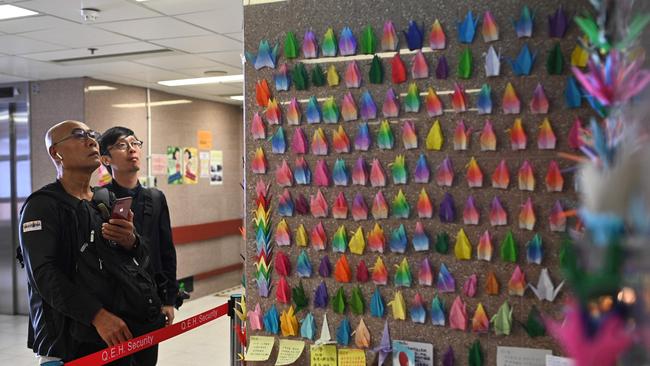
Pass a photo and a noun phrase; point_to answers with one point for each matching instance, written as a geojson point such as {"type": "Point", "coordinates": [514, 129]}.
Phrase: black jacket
{"type": "Point", "coordinates": [151, 220]}
{"type": "Point", "coordinates": [64, 293]}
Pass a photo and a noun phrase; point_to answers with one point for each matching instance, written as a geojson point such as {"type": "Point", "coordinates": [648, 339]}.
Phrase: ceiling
{"type": "Point", "coordinates": [203, 35]}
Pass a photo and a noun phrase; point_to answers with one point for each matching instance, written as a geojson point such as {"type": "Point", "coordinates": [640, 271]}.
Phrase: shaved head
{"type": "Point", "coordinates": [61, 130]}
{"type": "Point", "coordinates": [68, 152]}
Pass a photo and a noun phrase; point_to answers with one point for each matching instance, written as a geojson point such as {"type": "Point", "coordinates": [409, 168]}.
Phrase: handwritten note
{"type": "Point", "coordinates": [259, 348]}
{"type": "Point", "coordinates": [558, 361]}
{"type": "Point", "coordinates": [516, 356]}
{"type": "Point", "coordinates": [324, 355]}
{"type": "Point", "coordinates": [289, 351]}
{"type": "Point", "coordinates": [423, 352]}
{"type": "Point", "coordinates": [351, 357]}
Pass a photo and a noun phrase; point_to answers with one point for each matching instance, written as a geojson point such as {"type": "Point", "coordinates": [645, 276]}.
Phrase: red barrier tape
{"type": "Point", "coordinates": [124, 349]}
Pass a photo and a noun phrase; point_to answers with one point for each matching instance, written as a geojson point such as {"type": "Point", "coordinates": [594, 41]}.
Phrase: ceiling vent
{"type": "Point", "coordinates": [95, 59]}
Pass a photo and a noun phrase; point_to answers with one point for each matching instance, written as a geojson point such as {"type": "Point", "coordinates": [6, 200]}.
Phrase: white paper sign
{"type": "Point", "coordinates": [558, 361]}
{"type": "Point", "coordinates": [423, 352]}
{"type": "Point", "coordinates": [516, 356]}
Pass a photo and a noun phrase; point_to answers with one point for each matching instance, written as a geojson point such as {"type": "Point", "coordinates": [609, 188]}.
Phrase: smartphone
{"type": "Point", "coordinates": [121, 208]}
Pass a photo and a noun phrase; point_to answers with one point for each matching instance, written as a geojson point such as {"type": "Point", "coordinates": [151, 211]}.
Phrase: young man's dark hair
{"type": "Point", "coordinates": [121, 153]}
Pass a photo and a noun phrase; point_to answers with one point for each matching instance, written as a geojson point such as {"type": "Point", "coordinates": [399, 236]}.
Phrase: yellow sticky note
{"type": "Point", "coordinates": [351, 357]}
{"type": "Point", "coordinates": [324, 355]}
{"type": "Point", "coordinates": [289, 351]}
{"type": "Point", "coordinates": [259, 348]}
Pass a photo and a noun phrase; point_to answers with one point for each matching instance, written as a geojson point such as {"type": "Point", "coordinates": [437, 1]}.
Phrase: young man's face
{"type": "Point", "coordinates": [125, 154]}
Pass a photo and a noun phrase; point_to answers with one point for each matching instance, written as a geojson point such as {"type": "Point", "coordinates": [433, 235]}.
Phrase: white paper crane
{"type": "Point", "coordinates": [545, 289]}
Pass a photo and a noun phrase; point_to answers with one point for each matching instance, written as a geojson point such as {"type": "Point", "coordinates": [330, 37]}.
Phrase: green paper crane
{"type": "Point", "coordinates": [356, 302]}
{"type": "Point", "coordinates": [299, 77]}
{"type": "Point", "coordinates": [299, 297]}
{"type": "Point", "coordinates": [465, 64]}
{"type": "Point", "coordinates": [475, 354]}
{"type": "Point", "coordinates": [502, 320]}
{"type": "Point", "coordinates": [376, 71]}
{"type": "Point", "coordinates": [534, 324]}
{"type": "Point", "coordinates": [508, 248]}
{"type": "Point", "coordinates": [555, 61]}
{"type": "Point", "coordinates": [442, 243]}
{"type": "Point", "coordinates": [588, 285]}
{"type": "Point", "coordinates": [290, 46]}
{"type": "Point", "coordinates": [368, 41]}
{"type": "Point", "coordinates": [317, 76]}
{"type": "Point", "coordinates": [338, 303]}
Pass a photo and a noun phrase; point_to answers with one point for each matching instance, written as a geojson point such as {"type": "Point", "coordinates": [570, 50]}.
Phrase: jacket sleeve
{"type": "Point", "coordinates": [41, 247]}
{"type": "Point", "coordinates": [167, 252]}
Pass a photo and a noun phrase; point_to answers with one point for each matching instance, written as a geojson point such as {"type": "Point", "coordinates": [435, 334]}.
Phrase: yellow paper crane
{"type": "Point", "coordinates": [357, 243]}
{"type": "Point", "coordinates": [435, 138]}
{"type": "Point", "coordinates": [463, 248]}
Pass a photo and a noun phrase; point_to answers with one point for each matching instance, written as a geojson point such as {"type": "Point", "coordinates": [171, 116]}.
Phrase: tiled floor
{"type": "Point", "coordinates": [206, 345]}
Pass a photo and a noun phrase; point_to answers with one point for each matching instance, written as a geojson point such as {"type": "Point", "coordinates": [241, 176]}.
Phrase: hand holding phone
{"type": "Point", "coordinates": [121, 208]}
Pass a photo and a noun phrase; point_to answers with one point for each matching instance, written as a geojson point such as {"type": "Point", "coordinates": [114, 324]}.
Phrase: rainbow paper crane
{"type": "Point", "coordinates": [349, 108]}
{"type": "Point", "coordinates": [511, 103]}
{"type": "Point", "coordinates": [433, 103]}
{"type": "Point", "coordinates": [293, 112]}
{"type": "Point", "coordinates": [419, 68]}
{"type": "Point", "coordinates": [390, 108]}
{"type": "Point", "coordinates": [524, 25]}
{"type": "Point", "coordinates": [437, 39]}
{"type": "Point", "coordinates": [458, 99]}
{"type": "Point", "coordinates": [489, 28]}
{"type": "Point", "coordinates": [359, 208]}
{"type": "Point", "coordinates": [265, 57]}
{"type": "Point", "coordinates": [403, 275]}
{"type": "Point", "coordinates": [263, 243]}
{"type": "Point", "coordinates": [389, 39]}
{"type": "Point", "coordinates": [488, 139]}
{"type": "Point", "coordinates": [470, 212]}
{"type": "Point", "coordinates": [309, 45]}
{"type": "Point", "coordinates": [527, 215]}
{"type": "Point", "coordinates": [328, 47]}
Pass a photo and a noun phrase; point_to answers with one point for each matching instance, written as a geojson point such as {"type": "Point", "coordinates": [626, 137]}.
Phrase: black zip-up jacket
{"type": "Point", "coordinates": [63, 300]}
{"type": "Point", "coordinates": [158, 237]}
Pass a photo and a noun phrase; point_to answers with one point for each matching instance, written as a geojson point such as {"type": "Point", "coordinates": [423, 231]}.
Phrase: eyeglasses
{"type": "Point", "coordinates": [80, 134]}
{"type": "Point", "coordinates": [125, 145]}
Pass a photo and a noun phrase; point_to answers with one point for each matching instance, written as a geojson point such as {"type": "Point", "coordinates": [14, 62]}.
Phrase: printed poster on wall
{"type": "Point", "coordinates": [216, 167]}
{"type": "Point", "coordinates": [204, 138]}
{"type": "Point", "coordinates": [158, 164]}
{"type": "Point", "coordinates": [190, 175]}
{"type": "Point", "coordinates": [204, 164]}
{"type": "Point", "coordinates": [174, 165]}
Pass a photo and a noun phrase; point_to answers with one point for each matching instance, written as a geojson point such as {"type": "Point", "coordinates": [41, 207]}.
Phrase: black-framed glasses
{"type": "Point", "coordinates": [80, 134]}
{"type": "Point", "coordinates": [125, 145]}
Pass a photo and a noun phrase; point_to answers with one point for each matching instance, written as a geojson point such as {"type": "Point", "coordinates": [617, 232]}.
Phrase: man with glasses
{"type": "Point", "coordinates": [121, 152]}
{"type": "Point", "coordinates": [64, 238]}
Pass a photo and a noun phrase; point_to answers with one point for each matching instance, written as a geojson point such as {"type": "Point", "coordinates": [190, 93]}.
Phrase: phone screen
{"type": "Point", "coordinates": [121, 208]}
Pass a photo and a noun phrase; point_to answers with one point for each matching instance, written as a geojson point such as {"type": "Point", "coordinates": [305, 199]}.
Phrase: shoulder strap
{"type": "Point", "coordinates": [103, 199]}
{"type": "Point", "coordinates": [152, 207]}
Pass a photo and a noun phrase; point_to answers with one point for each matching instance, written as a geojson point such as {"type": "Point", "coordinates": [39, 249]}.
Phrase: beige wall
{"type": "Point", "coordinates": [51, 101]}
{"type": "Point", "coordinates": [171, 125]}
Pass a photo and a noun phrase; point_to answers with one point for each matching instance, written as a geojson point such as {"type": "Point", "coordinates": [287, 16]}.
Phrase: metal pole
{"type": "Point", "coordinates": [150, 178]}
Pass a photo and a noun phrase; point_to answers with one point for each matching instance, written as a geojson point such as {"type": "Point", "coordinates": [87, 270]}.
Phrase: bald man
{"type": "Point", "coordinates": [69, 250]}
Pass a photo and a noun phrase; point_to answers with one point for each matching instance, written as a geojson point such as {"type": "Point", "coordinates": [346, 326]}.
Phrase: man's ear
{"type": "Point", "coordinates": [106, 160]}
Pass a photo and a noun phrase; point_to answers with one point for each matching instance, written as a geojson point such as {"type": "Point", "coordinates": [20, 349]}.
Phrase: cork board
{"type": "Point", "coordinates": [272, 21]}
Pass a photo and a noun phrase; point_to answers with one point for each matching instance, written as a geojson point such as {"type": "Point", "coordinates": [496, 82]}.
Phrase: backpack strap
{"type": "Point", "coordinates": [152, 207]}
{"type": "Point", "coordinates": [103, 199]}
